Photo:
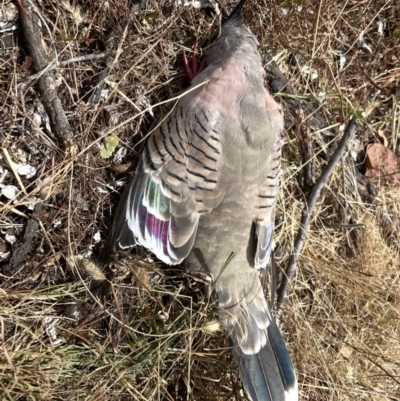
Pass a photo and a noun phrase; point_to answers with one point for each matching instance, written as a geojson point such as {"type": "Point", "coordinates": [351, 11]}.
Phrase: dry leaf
{"type": "Point", "coordinates": [120, 168]}
{"type": "Point", "coordinates": [382, 162]}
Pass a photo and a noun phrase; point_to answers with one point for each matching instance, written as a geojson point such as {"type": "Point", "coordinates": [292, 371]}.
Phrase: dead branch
{"type": "Point", "coordinates": [46, 82]}
{"type": "Point", "coordinates": [306, 149]}
{"type": "Point", "coordinates": [309, 207]}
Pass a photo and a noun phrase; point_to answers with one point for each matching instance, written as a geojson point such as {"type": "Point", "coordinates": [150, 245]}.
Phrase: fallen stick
{"type": "Point", "coordinates": [46, 82]}
{"type": "Point", "coordinates": [309, 207]}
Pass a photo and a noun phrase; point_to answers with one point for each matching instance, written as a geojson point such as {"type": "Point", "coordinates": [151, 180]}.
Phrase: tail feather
{"type": "Point", "coordinates": [268, 375]}
{"type": "Point", "coordinates": [264, 363]}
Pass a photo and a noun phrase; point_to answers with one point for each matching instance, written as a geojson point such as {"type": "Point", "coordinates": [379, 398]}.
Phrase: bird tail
{"type": "Point", "coordinates": [268, 375]}
{"type": "Point", "coordinates": [258, 347]}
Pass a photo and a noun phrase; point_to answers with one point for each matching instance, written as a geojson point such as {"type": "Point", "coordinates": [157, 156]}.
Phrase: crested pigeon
{"type": "Point", "coordinates": [206, 187]}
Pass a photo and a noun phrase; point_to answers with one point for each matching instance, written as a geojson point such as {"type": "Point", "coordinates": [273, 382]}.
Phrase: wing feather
{"type": "Point", "coordinates": [264, 209]}
{"type": "Point", "coordinates": [176, 181]}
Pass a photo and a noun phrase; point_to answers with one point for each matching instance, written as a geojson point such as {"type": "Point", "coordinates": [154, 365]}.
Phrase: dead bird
{"type": "Point", "coordinates": [205, 190]}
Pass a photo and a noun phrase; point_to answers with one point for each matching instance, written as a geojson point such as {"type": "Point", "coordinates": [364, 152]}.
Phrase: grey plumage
{"type": "Point", "coordinates": [206, 186]}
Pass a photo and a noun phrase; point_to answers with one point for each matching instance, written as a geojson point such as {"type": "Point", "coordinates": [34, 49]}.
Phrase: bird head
{"type": "Point", "coordinates": [234, 37]}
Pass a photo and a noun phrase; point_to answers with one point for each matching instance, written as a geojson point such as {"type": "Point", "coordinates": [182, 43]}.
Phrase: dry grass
{"type": "Point", "coordinates": [342, 316]}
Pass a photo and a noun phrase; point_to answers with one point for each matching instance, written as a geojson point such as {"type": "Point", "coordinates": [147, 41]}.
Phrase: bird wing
{"type": "Point", "coordinates": [177, 180]}
{"type": "Point", "coordinates": [264, 208]}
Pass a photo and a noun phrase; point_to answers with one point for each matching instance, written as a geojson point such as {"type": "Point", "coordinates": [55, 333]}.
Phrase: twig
{"type": "Point", "coordinates": [306, 148]}
{"type": "Point", "coordinates": [60, 64]}
{"type": "Point", "coordinates": [308, 209]}
{"type": "Point", "coordinates": [351, 234]}
{"type": "Point", "coordinates": [46, 82]}
{"type": "Point", "coordinates": [52, 66]}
